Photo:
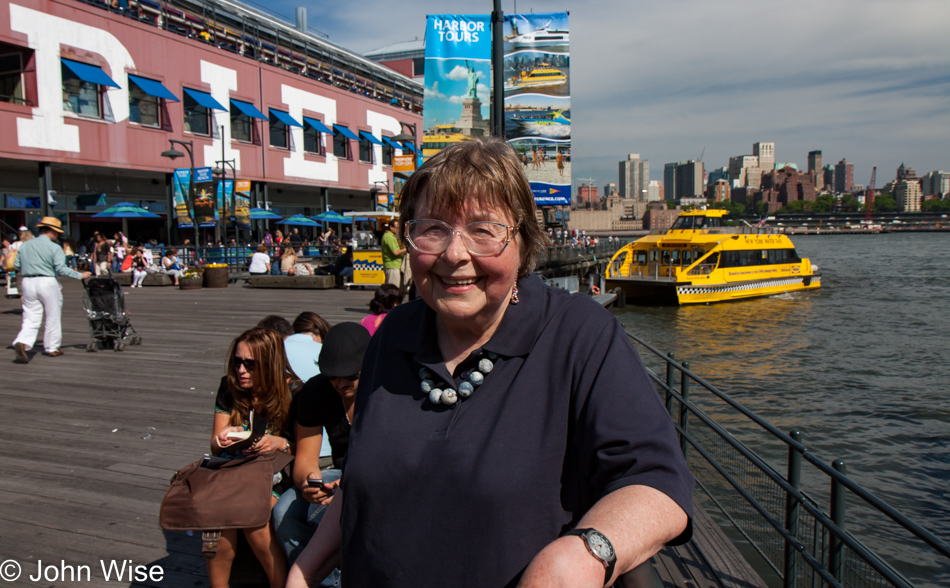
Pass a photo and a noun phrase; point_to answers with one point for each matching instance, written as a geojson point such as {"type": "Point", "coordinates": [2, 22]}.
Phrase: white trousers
{"type": "Point", "coordinates": [41, 294]}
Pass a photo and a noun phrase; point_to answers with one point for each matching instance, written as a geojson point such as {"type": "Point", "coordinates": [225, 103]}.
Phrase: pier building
{"type": "Point", "coordinates": [92, 94]}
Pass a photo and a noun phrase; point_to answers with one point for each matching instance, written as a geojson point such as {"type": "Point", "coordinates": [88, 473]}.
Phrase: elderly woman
{"type": "Point", "coordinates": [505, 433]}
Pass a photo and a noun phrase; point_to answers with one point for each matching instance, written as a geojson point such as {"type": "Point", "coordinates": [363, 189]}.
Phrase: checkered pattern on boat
{"type": "Point", "coordinates": [367, 266]}
{"type": "Point", "coordinates": [777, 283]}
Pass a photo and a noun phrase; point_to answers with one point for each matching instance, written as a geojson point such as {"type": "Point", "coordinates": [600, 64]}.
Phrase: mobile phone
{"type": "Point", "coordinates": [315, 482]}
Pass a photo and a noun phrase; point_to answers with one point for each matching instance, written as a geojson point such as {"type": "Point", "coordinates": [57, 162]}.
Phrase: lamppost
{"type": "Point", "coordinates": [174, 154]}
{"type": "Point", "coordinates": [403, 137]}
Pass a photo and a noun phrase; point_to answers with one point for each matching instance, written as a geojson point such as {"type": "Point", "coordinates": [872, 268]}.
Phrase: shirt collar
{"type": "Point", "coordinates": [516, 335]}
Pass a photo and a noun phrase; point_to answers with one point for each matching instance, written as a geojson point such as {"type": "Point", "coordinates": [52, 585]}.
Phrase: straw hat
{"type": "Point", "coordinates": [51, 222]}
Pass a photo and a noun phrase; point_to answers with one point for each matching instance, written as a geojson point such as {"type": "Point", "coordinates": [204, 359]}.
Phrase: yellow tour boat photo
{"type": "Point", "coordinates": [544, 75]}
{"type": "Point", "coordinates": [699, 260]}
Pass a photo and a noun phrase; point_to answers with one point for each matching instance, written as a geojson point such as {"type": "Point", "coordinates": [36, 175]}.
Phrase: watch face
{"type": "Point", "coordinates": [600, 545]}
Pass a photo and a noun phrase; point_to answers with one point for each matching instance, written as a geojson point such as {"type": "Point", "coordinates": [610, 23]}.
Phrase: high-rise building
{"type": "Point", "coordinates": [715, 175]}
{"type": "Point", "coordinates": [586, 196]}
{"type": "Point", "coordinates": [814, 165]}
{"type": "Point", "coordinates": [655, 191]}
{"type": "Point", "coordinates": [908, 195]}
{"type": "Point", "coordinates": [610, 189]}
{"type": "Point", "coordinates": [781, 186]}
{"type": "Point", "coordinates": [828, 176]}
{"type": "Point", "coordinates": [683, 180]}
{"type": "Point", "coordinates": [935, 183]}
{"type": "Point", "coordinates": [844, 176]}
{"type": "Point", "coordinates": [744, 171]}
{"type": "Point", "coordinates": [634, 177]}
{"type": "Point", "coordinates": [766, 154]}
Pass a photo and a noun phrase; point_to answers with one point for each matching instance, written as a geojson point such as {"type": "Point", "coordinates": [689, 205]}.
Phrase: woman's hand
{"type": "Point", "coordinates": [221, 439]}
{"type": "Point", "coordinates": [268, 443]}
{"type": "Point", "coordinates": [319, 494]}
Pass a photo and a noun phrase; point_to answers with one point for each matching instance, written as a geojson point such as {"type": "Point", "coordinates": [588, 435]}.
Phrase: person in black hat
{"type": "Point", "coordinates": [325, 402]}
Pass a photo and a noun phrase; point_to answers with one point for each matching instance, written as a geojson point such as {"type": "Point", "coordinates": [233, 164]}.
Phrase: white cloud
{"type": "Point", "coordinates": [457, 74]}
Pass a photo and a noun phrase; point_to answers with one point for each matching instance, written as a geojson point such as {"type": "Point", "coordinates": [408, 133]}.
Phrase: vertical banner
{"type": "Point", "coordinates": [204, 197]}
{"type": "Point", "coordinates": [182, 180]}
{"type": "Point", "coordinates": [457, 82]}
{"type": "Point", "coordinates": [537, 75]}
{"type": "Point", "coordinates": [242, 203]}
{"type": "Point", "coordinates": [225, 190]}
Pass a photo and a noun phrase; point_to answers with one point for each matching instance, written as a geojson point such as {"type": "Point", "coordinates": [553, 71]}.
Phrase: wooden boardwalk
{"type": "Point", "coordinates": [91, 439]}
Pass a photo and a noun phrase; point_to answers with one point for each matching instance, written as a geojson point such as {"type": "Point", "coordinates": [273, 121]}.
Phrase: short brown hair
{"type": "Point", "coordinates": [311, 323]}
{"type": "Point", "coordinates": [486, 169]}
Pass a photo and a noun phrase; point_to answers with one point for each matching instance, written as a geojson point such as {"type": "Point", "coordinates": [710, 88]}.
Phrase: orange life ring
{"type": "Point", "coordinates": [594, 290]}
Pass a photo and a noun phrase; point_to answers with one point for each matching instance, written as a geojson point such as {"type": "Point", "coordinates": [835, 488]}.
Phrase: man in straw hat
{"type": "Point", "coordinates": [38, 262]}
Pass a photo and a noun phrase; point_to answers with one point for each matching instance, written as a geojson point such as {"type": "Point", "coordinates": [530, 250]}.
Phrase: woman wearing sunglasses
{"type": "Point", "coordinates": [505, 433]}
{"type": "Point", "coordinates": [256, 380]}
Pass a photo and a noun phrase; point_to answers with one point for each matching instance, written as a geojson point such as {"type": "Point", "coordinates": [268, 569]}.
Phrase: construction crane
{"type": "Point", "coordinates": [869, 195]}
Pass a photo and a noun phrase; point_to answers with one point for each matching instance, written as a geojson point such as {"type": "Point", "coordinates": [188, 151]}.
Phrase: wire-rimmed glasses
{"type": "Point", "coordinates": [481, 238]}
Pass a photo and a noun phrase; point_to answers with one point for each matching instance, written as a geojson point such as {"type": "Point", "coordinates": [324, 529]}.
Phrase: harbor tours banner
{"type": "Point", "coordinates": [242, 203]}
{"type": "Point", "coordinates": [457, 80]}
{"type": "Point", "coordinates": [223, 192]}
{"type": "Point", "coordinates": [537, 75]}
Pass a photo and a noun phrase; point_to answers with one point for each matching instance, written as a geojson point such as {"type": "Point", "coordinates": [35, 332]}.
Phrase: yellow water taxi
{"type": "Point", "coordinates": [439, 137]}
{"type": "Point", "coordinates": [699, 260]}
{"type": "Point", "coordinates": [544, 75]}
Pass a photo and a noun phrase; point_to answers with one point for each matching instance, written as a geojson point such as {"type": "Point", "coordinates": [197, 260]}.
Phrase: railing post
{"type": "Point", "coordinates": [670, 379]}
{"type": "Point", "coordinates": [838, 509]}
{"type": "Point", "coordinates": [791, 509]}
{"type": "Point", "coordinates": [684, 413]}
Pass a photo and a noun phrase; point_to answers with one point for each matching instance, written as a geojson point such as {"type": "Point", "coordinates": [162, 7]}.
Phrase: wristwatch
{"type": "Point", "coordinates": [600, 547]}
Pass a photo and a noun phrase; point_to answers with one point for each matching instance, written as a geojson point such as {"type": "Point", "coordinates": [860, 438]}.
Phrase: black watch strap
{"type": "Point", "coordinates": [608, 563]}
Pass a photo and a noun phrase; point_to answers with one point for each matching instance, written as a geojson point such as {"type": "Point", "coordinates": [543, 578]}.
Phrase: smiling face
{"type": "Point", "coordinates": [466, 291]}
{"type": "Point", "coordinates": [245, 378]}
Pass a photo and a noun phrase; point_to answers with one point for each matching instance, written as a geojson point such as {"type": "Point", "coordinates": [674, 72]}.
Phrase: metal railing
{"type": "Point", "coordinates": [803, 538]}
{"type": "Point", "coordinates": [237, 257]}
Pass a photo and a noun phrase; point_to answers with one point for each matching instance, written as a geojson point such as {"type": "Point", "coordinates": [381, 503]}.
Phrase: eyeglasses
{"type": "Point", "coordinates": [480, 238]}
{"type": "Point", "coordinates": [249, 364]}
{"type": "Point", "coordinates": [352, 378]}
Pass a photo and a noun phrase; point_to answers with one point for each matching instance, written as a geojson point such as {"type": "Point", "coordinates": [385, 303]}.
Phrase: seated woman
{"type": "Point", "coordinates": [256, 380]}
{"type": "Point", "coordinates": [326, 400]}
{"type": "Point", "coordinates": [139, 267]}
{"type": "Point", "coordinates": [386, 298]}
{"type": "Point", "coordinates": [260, 262]}
{"type": "Point", "coordinates": [287, 261]}
{"type": "Point", "coordinates": [170, 264]}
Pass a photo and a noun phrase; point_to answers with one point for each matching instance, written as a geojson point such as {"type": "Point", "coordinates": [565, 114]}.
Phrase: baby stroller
{"type": "Point", "coordinates": [108, 320]}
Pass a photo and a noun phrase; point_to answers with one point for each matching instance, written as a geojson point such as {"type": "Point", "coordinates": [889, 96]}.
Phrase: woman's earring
{"type": "Point", "coordinates": [514, 293]}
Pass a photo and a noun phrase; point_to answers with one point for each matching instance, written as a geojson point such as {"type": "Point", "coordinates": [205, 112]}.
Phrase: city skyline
{"type": "Point", "coordinates": [862, 80]}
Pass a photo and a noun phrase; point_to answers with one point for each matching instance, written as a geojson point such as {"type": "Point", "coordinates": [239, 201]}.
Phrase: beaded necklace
{"type": "Point", "coordinates": [444, 394]}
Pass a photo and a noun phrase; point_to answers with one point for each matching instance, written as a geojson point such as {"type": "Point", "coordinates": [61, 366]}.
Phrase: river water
{"type": "Point", "coordinates": [860, 367]}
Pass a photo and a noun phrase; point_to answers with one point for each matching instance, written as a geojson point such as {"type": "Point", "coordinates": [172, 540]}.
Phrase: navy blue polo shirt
{"type": "Point", "coordinates": [467, 495]}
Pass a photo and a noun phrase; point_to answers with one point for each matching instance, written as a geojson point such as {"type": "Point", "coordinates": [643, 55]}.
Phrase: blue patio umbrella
{"type": "Point", "coordinates": [332, 217]}
{"type": "Point", "coordinates": [261, 214]}
{"type": "Point", "coordinates": [125, 210]}
{"type": "Point", "coordinates": [299, 220]}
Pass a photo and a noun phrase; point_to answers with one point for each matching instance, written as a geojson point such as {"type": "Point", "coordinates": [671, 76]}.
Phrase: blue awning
{"type": "Point", "coordinates": [319, 126]}
{"type": "Point", "coordinates": [204, 99]}
{"type": "Point", "coordinates": [284, 118]}
{"type": "Point", "coordinates": [410, 146]}
{"type": "Point", "coordinates": [248, 109]}
{"type": "Point", "coordinates": [89, 73]}
{"type": "Point", "coordinates": [346, 132]}
{"type": "Point", "coordinates": [392, 143]}
{"type": "Point", "coordinates": [369, 137]}
{"type": "Point", "coordinates": [153, 88]}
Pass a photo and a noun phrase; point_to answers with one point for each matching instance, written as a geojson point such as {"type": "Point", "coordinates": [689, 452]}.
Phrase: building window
{"type": "Point", "coordinates": [240, 125]}
{"type": "Point", "coordinates": [418, 66]}
{"type": "Point", "coordinates": [341, 146]}
{"type": "Point", "coordinates": [11, 78]}
{"type": "Point", "coordinates": [366, 150]}
{"type": "Point", "coordinates": [387, 154]}
{"type": "Point", "coordinates": [143, 108]}
{"type": "Point", "coordinates": [80, 96]}
{"type": "Point", "coordinates": [311, 140]}
{"type": "Point", "coordinates": [197, 117]}
{"type": "Point", "coordinates": [278, 132]}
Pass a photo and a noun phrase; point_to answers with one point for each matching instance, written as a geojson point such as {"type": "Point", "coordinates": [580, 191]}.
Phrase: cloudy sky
{"type": "Point", "coordinates": [864, 80]}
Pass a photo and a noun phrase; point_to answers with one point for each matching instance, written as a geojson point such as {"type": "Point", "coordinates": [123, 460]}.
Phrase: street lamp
{"type": "Point", "coordinates": [403, 137]}
{"type": "Point", "coordinates": [374, 192]}
{"type": "Point", "coordinates": [174, 154]}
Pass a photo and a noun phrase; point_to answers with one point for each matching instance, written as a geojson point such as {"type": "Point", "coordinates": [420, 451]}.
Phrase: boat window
{"type": "Point", "coordinates": [792, 256]}
{"type": "Point", "coordinates": [687, 257]}
{"type": "Point", "coordinates": [641, 258]}
{"type": "Point", "coordinates": [665, 259]}
{"type": "Point", "coordinates": [713, 222]}
{"type": "Point", "coordinates": [712, 260]}
{"type": "Point", "coordinates": [675, 257]}
{"type": "Point", "coordinates": [682, 223]}
{"type": "Point", "coordinates": [654, 254]}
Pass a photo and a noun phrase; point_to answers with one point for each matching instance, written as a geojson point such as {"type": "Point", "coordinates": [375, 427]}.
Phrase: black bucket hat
{"type": "Point", "coordinates": [343, 348]}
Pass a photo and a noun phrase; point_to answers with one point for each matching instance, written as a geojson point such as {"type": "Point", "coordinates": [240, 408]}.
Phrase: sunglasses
{"type": "Point", "coordinates": [352, 378]}
{"type": "Point", "coordinates": [249, 364]}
